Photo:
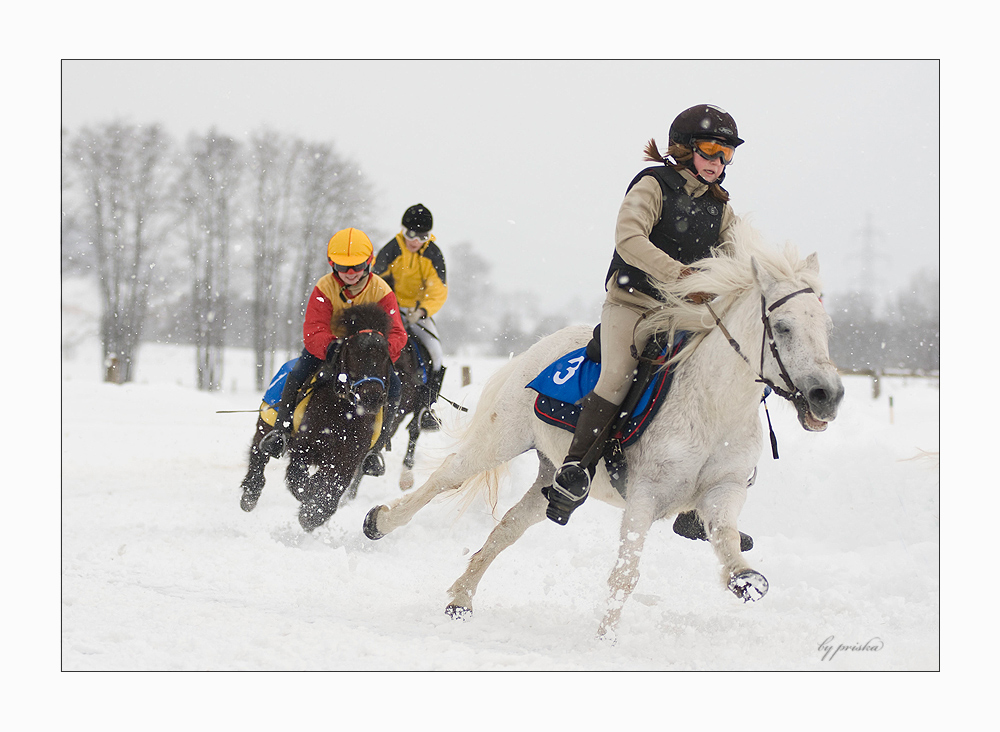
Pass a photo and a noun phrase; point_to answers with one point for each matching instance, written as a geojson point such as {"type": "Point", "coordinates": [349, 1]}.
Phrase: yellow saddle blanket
{"type": "Point", "coordinates": [270, 415]}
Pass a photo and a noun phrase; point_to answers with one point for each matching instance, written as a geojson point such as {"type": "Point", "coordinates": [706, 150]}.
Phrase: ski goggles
{"type": "Point", "coordinates": [418, 235]}
{"type": "Point", "coordinates": [710, 149]}
{"type": "Point", "coordinates": [360, 267]}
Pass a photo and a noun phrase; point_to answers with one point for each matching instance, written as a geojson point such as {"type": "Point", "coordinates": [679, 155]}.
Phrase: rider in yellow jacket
{"type": "Point", "coordinates": [413, 265]}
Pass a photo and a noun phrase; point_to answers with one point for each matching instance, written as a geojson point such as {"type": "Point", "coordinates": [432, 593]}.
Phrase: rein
{"type": "Point", "coordinates": [348, 389]}
{"type": "Point", "coordinates": [793, 393]}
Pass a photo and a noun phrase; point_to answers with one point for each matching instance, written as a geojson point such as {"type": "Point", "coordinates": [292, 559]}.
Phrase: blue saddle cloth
{"type": "Point", "coordinates": [564, 382]}
{"type": "Point", "coordinates": [273, 394]}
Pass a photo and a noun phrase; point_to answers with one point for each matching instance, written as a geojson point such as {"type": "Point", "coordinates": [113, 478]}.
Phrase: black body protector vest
{"type": "Point", "coordinates": [687, 230]}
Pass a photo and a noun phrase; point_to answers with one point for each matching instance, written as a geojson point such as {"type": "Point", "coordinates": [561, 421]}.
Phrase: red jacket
{"type": "Point", "coordinates": [330, 297]}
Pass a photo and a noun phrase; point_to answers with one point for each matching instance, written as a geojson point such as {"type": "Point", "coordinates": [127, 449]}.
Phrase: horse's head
{"type": "Point", "coordinates": [795, 354]}
{"type": "Point", "coordinates": [363, 361]}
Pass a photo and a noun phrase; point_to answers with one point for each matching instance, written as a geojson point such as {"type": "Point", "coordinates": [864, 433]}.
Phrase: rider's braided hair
{"type": "Point", "coordinates": [682, 157]}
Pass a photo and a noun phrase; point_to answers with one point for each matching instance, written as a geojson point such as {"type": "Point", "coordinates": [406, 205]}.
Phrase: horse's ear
{"type": "Point", "coordinates": [761, 275]}
{"type": "Point", "coordinates": [812, 263]}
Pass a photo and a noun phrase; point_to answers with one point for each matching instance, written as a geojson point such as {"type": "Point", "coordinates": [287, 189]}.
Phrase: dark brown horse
{"type": "Point", "coordinates": [414, 369]}
{"type": "Point", "coordinates": [338, 424]}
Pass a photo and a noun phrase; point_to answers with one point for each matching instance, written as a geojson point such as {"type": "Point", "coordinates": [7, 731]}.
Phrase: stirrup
{"type": "Point", "coordinates": [569, 489]}
{"type": "Point", "coordinates": [374, 464]}
{"type": "Point", "coordinates": [274, 443]}
{"type": "Point", "coordinates": [429, 421]}
{"type": "Point", "coordinates": [572, 480]}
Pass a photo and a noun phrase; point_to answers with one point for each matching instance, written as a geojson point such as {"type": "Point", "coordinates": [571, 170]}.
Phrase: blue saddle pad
{"type": "Point", "coordinates": [563, 383]}
{"type": "Point", "coordinates": [273, 394]}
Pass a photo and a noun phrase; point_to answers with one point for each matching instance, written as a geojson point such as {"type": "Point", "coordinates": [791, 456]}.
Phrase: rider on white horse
{"type": "Point", "coordinates": [672, 215]}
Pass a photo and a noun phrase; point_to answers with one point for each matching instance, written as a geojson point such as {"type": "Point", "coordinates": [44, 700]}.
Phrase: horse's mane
{"type": "Point", "coordinates": [728, 274]}
{"type": "Point", "coordinates": [367, 316]}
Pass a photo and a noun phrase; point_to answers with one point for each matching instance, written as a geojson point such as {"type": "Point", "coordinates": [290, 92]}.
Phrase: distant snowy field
{"type": "Point", "coordinates": [161, 570]}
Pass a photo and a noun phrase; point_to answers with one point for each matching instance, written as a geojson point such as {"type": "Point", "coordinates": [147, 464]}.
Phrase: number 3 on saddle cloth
{"type": "Point", "coordinates": [269, 412]}
{"type": "Point", "coordinates": [564, 382]}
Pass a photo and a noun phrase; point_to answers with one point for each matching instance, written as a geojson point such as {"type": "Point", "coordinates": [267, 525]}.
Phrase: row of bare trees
{"type": "Point", "coordinates": [902, 333]}
{"type": "Point", "coordinates": [195, 237]}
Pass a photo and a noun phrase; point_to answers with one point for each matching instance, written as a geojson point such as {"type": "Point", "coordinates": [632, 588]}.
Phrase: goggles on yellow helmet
{"type": "Point", "coordinates": [359, 267]}
{"type": "Point", "coordinates": [710, 148]}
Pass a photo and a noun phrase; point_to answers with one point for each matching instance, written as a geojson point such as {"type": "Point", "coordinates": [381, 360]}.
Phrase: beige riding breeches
{"type": "Point", "coordinates": [622, 310]}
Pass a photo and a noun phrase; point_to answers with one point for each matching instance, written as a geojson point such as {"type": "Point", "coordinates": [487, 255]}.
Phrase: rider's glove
{"type": "Point", "coordinates": [333, 349]}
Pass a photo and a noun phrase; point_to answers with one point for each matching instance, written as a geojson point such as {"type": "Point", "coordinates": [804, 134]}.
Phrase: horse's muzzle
{"type": "Point", "coordinates": [369, 394]}
{"type": "Point", "coordinates": [819, 403]}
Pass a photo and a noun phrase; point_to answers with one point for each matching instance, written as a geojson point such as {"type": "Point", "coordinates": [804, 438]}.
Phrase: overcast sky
{"type": "Point", "coordinates": [529, 160]}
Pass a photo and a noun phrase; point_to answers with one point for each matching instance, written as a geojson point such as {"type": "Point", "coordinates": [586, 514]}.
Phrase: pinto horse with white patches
{"type": "Point", "coordinates": [766, 325]}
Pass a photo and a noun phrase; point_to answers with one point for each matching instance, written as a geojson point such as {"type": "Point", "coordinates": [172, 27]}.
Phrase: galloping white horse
{"type": "Point", "coordinates": [766, 324]}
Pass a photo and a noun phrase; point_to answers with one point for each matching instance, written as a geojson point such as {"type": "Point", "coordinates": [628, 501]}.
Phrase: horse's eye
{"type": "Point", "coordinates": [782, 328]}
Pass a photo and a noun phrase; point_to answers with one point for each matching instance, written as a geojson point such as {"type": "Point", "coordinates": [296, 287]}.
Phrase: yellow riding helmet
{"type": "Point", "coordinates": [349, 247]}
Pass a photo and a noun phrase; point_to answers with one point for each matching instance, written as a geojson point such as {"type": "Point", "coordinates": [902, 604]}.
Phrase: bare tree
{"type": "Point", "coordinates": [119, 168]}
{"type": "Point", "coordinates": [210, 197]}
{"type": "Point", "coordinates": [272, 163]}
{"type": "Point", "coordinates": [333, 194]}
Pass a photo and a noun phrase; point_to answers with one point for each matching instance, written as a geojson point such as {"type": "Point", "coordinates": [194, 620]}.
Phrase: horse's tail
{"type": "Point", "coordinates": [479, 435]}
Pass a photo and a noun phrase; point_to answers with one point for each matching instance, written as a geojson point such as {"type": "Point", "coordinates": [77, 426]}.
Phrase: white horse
{"type": "Point", "coordinates": [766, 324]}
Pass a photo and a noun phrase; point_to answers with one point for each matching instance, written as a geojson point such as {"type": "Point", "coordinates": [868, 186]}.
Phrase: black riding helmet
{"type": "Point", "coordinates": [704, 120]}
{"type": "Point", "coordinates": [418, 218]}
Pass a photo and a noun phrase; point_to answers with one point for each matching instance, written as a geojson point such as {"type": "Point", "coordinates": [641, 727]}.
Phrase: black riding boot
{"type": "Point", "coordinates": [428, 420]}
{"type": "Point", "coordinates": [374, 463]}
{"type": "Point", "coordinates": [690, 526]}
{"type": "Point", "coordinates": [572, 480]}
{"type": "Point", "coordinates": [275, 441]}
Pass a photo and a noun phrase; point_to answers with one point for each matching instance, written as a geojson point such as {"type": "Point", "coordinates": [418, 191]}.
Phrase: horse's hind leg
{"type": "Point", "coordinates": [406, 476]}
{"type": "Point", "coordinates": [639, 516]}
{"type": "Point", "coordinates": [720, 508]}
{"type": "Point", "coordinates": [529, 511]}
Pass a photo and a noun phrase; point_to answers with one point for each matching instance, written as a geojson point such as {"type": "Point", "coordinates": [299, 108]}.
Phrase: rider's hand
{"type": "Point", "coordinates": [700, 298]}
{"type": "Point", "coordinates": [414, 315]}
{"type": "Point", "coordinates": [333, 349]}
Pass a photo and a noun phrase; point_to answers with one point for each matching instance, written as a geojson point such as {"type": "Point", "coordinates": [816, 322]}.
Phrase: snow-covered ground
{"type": "Point", "coordinates": [161, 570]}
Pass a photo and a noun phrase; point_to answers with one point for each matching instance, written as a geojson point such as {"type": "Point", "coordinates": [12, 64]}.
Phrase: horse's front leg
{"type": "Point", "coordinates": [720, 508]}
{"type": "Point", "coordinates": [529, 511]}
{"type": "Point", "coordinates": [324, 492]}
{"type": "Point", "coordinates": [383, 519]}
{"type": "Point", "coordinates": [639, 516]}
{"type": "Point", "coordinates": [253, 482]}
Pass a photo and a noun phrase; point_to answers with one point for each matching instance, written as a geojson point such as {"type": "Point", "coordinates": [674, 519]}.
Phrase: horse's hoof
{"type": "Point", "coordinates": [748, 585]}
{"type": "Point", "coordinates": [371, 524]}
{"type": "Point", "coordinates": [406, 480]}
{"type": "Point", "coordinates": [457, 612]}
{"type": "Point", "coordinates": [311, 516]}
{"type": "Point", "coordinates": [607, 636]}
{"type": "Point", "coordinates": [249, 500]}
{"type": "Point", "coordinates": [374, 464]}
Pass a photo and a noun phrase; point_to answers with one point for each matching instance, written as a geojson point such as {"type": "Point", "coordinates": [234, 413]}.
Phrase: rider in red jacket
{"type": "Point", "coordinates": [350, 283]}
